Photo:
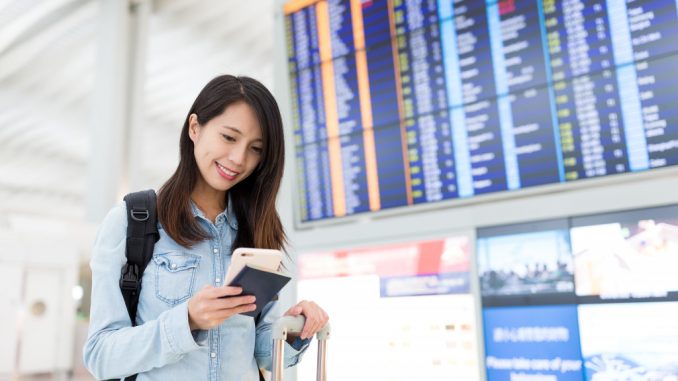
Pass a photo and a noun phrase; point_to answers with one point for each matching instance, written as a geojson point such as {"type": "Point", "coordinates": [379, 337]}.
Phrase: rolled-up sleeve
{"type": "Point", "coordinates": [114, 348]}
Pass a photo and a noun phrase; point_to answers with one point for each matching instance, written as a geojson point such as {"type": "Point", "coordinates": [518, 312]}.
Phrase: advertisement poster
{"type": "Point", "coordinates": [525, 264]}
{"type": "Point", "coordinates": [398, 312]}
{"type": "Point", "coordinates": [630, 341]}
{"type": "Point", "coordinates": [618, 260]}
{"type": "Point", "coordinates": [536, 343]}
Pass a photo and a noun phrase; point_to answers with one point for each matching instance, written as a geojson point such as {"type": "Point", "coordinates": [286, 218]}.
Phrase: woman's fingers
{"type": "Point", "coordinates": [211, 305]}
{"type": "Point", "coordinates": [316, 317]}
{"type": "Point", "coordinates": [220, 292]}
{"type": "Point", "coordinates": [224, 314]}
{"type": "Point", "coordinates": [233, 302]}
{"type": "Point", "coordinates": [317, 323]}
{"type": "Point", "coordinates": [294, 311]}
{"type": "Point", "coordinates": [310, 323]}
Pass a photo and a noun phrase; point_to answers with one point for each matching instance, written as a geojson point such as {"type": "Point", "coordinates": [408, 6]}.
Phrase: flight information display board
{"type": "Point", "coordinates": [403, 102]}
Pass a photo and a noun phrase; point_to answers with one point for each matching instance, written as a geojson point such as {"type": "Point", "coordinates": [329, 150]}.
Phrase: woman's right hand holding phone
{"type": "Point", "coordinates": [210, 306]}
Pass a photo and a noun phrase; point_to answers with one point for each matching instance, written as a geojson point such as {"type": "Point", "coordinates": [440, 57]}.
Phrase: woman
{"type": "Point", "coordinates": [221, 197]}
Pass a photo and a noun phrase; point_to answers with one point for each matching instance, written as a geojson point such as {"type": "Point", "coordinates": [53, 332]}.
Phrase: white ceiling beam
{"type": "Point", "coordinates": [20, 56]}
{"type": "Point", "coordinates": [48, 151]}
{"type": "Point", "coordinates": [30, 19]}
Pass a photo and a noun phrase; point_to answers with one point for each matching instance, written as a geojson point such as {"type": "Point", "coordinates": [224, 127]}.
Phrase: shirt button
{"type": "Point", "coordinates": [217, 280]}
{"type": "Point", "coordinates": [174, 265]}
{"type": "Point", "coordinates": [216, 251]}
{"type": "Point", "coordinates": [213, 355]}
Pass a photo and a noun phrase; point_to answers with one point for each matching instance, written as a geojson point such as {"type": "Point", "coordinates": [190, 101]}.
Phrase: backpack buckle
{"type": "Point", "coordinates": [139, 215]}
{"type": "Point", "coordinates": [129, 280]}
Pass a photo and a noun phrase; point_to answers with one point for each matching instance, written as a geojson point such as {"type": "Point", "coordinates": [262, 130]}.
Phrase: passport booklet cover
{"type": "Point", "coordinates": [263, 284]}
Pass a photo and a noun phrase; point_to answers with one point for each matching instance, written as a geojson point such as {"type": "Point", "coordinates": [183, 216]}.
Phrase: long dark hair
{"type": "Point", "coordinates": [254, 198]}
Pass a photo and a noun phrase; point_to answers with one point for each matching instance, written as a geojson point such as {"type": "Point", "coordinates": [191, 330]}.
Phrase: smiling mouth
{"type": "Point", "coordinates": [227, 171]}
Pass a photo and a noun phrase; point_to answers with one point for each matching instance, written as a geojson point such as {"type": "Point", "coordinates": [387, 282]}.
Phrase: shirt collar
{"type": "Point", "coordinates": [228, 214]}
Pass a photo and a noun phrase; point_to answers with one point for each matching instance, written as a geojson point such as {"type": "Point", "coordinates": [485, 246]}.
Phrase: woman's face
{"type": "Point", "coordinates": [227, 148]}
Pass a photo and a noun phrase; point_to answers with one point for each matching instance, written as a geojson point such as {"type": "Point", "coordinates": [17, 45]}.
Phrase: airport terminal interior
{"type": "Point", "coordinates": [473, 190]}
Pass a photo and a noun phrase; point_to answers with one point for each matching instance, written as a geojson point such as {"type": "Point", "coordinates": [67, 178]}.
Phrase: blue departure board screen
{"type": "Point", "coordinates": [401, 102]}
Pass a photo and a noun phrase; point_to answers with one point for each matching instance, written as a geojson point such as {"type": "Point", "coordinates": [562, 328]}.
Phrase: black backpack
{"type": "Point", "coordinates": [142, 234]}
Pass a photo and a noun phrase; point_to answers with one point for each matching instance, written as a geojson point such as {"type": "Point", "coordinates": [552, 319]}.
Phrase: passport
{"type": "Point", "coordinates": [263, 284]}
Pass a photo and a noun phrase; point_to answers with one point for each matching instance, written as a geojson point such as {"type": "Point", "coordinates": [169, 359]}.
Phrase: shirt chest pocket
{"type": "Point", "coordinates": [175, 276]}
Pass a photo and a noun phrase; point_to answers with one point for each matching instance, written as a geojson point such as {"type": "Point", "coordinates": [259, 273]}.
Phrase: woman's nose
{"type": "Point", "coordinates": [237, 155]}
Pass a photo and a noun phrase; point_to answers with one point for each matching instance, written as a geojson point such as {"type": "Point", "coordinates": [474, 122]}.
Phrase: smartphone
{"type": "Point", "coordinates": [264, 259]}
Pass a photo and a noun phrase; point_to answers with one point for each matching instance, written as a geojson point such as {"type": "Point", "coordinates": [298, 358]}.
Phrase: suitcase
{"type": "Point", "coordinates": [294, 324]}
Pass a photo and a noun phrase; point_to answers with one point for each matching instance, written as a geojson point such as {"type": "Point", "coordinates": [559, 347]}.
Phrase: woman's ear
{"type": "Point", "coordinates": [193, 127]}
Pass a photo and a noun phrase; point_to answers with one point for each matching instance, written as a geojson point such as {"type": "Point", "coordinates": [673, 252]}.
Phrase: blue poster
{"type": "Point", "coordinates": [532, 343]}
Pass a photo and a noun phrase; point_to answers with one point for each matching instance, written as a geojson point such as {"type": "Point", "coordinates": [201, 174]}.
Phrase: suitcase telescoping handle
{"type": "Point", "coordinates": [295, 324]}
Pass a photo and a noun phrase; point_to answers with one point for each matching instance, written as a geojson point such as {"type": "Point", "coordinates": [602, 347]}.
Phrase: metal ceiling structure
{"type": "Point", "coordinates": [48, 54]}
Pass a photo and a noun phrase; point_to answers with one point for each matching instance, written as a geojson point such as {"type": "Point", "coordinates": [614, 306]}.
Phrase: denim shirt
{"type": "Point", "coordinates": [162, 346]}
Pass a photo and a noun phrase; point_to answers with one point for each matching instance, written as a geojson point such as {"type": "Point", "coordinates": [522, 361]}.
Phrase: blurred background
{"type": "Point", "coordinates": [93, 94]}
{"type": "Point", "coordinates": [474, 190]}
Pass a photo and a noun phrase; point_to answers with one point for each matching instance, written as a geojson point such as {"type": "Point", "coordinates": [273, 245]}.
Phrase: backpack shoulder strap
{"type": "Point", "coordinates": [142, 234]}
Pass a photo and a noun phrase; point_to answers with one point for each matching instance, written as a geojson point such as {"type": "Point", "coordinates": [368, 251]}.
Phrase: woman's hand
{"type": "Point", "coordinates": [212, 305]}
{"type": "Point", "coordinates": [316, 317]}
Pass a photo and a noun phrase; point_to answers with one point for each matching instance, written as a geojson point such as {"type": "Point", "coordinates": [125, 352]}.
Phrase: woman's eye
{"type": "Point", "coordinates": [228, 138]}
{"type": "Point", "coordinates": [257, 149]}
